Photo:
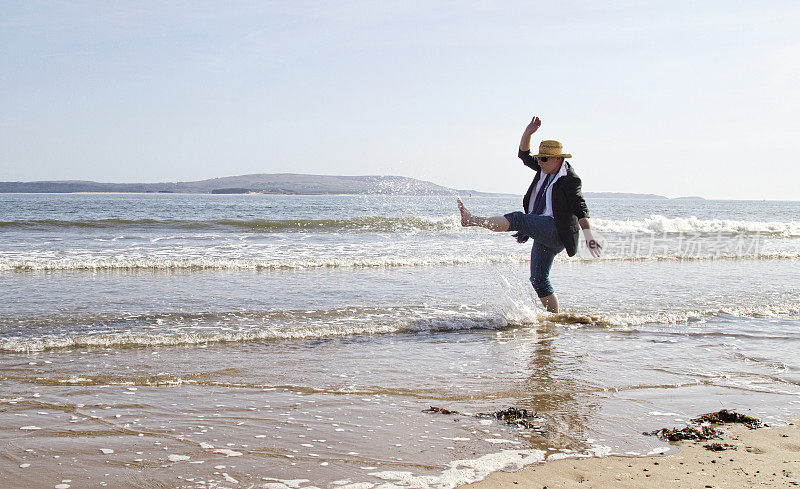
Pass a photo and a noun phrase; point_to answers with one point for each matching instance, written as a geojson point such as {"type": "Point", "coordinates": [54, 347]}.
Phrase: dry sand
{"type": "Point", "coordinates": [764, 457]}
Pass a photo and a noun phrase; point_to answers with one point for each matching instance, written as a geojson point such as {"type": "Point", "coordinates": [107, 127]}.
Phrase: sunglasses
{"type": "Point", "coordinates": [543, 159]}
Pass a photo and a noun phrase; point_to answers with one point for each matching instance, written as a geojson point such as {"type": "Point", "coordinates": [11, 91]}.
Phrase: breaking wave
{"type": "Point", "coordinates": [201, 263]}
{"type": "Point", "coordinates": [672, 318]}
{"type": "Point", "coordinates": [655, 224]}
{"type": "Point", "coordinates": [174, 329]}
{"type": "Point", "coordinates": [354, 224]}
{"type": "Point", "coordinates": [157, 263]}
{"type": "Point", "coordinates": [658, 224]}
{"type": "Point", "coordinates": [199, 329]}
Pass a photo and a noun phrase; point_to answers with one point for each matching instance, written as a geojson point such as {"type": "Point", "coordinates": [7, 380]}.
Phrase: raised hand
{"type": "Point", "coordinates": [533, 126]}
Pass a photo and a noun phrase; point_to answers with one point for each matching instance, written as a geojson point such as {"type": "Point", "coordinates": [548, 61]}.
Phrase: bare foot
{"type": "Point", "coordinates": [466, 216]}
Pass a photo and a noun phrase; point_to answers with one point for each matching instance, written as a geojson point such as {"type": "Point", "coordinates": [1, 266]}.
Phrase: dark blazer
{"type": "Point", "coordinates": [568, 203]}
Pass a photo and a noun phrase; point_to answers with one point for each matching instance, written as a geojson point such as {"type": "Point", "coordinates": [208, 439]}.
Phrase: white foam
{"type": "Point", "coordinates": [660, 224]}
{"type": "Point", "coordinates": [91, 262]}
{"type": "Point", "coordinates": [228, 452]}
{"type": "Point", "coordinates": [359, 321]}
{"type": "Point", "coordinates": [463, 472]}
{"type": "Point", "coordinates": [678, 317]}
{"type": "Point", "coordinates": [597, 451]}
{"type": "Point", "coordinates": [74, 380]}
{"type": "Point", "coordinates": [284, 483]}
{"type": "Point", "coordinates": [333, 327]}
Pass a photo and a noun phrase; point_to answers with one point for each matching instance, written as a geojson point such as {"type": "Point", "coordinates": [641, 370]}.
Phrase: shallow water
{"type": "Point", "coordinates": [272, 339]}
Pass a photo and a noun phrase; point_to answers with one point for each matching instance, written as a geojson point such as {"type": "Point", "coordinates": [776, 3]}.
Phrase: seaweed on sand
{"type": "Point", "coordinates": [687, 433]}
{"type": "Point", "coordinates": [724, 416]}
{"type": "Point", "coordinates": [705, 431]}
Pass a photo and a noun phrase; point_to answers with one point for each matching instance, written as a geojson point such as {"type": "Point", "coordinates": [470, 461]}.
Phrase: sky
{"type": "Point", "coordinates": [677, 98]}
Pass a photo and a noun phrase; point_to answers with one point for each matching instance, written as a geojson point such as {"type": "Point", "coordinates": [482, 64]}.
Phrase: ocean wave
{"type": "Point", "coordinates": [179, 263]}
{"type": "Point", "coordinates": [659, 224]}
{"type": "Point", "coordinates": [628, 319]}
{"type": "Point", "coordinates": [176, 329]}
{"type": "Point", "coordinates": [354, 224]}
{"type": "Point", "coordinates": [655, 224]}
{"type": "Point", "coordinates": [296, 325]}
{"type": "Point", "coordinates": [299, 263]}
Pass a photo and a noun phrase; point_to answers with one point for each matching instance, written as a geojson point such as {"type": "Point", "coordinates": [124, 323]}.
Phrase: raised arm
{"type": "Point", "coordinates": [525, 144]}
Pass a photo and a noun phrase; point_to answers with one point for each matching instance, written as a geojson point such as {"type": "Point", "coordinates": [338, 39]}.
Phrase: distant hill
{"type": "Point", "coordinates": [275, 183]}
{"type": "Point", "coordinates": [278, 183]}
{"type": "Point", "coordinates": [621, 195]}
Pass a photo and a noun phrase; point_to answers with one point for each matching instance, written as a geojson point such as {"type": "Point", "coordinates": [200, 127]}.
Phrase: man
{"type": "Point", "coordinates": [553, 216]}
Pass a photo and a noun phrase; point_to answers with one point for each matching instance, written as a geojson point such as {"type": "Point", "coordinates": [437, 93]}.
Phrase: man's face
{"type": "Point", "coordinates": [551, 164]}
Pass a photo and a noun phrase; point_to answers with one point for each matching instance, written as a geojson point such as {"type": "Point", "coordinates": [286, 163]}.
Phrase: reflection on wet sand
{"type": "Point", "coordinates": [552, 386]}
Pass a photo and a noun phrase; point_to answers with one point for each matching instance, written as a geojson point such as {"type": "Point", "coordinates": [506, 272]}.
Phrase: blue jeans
{"type": "Point", "coordinates": [546, 246]}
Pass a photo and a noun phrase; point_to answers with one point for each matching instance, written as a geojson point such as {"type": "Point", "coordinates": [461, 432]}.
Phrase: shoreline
{"type": "Point", "coordinates": [762, 457]}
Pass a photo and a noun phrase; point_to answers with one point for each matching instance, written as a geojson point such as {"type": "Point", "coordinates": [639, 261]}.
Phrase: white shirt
{"type": "Point", "coordinates": [548, 201]}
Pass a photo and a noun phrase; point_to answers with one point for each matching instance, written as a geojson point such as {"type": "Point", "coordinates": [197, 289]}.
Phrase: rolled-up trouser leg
{"type": "Point", "coordinates": [541, 262]}
{"type": "Point", "coordinates": [541, 228]}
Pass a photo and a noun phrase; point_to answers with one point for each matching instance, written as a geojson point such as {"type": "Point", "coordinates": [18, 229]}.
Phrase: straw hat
{"type": "Point", "coordinates": [549, 148]}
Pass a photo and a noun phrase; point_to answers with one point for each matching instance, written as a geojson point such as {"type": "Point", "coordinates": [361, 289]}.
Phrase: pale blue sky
{"type": "Point", "coordinates": [668, 97]}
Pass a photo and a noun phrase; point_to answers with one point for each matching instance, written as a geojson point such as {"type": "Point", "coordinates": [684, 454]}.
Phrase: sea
{"type": "Point", "coordinates": [284, 341]}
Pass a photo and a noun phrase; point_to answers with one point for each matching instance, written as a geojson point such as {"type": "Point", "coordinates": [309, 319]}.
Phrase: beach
{"type": "Point", "coordinates": [764, 457]}
{"type": "Point", "coordinates": [225, 341]}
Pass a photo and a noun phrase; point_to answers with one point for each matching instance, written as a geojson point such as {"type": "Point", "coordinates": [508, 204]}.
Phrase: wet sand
{"type": "Point", "coordinates": [764, 457]}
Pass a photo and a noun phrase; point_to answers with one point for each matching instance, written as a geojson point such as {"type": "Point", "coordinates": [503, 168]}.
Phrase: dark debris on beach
{"type": "Point", "coordinates": [705, 431]}
{"type": "Point", "coordinates": [687, 433]}
{"type": "Point", "coordinates": [719, 447]}
{"type": "Point", "coordinates": [438, 410]}
{"type": "Point", "coordinates": [514, 416]}
{"type": "Point", "coordinates": [725, 416]}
